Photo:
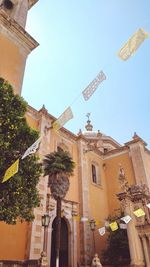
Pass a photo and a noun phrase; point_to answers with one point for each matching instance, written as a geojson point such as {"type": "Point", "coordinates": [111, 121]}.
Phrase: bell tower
{"type": "Point", "coordinates": [15, 43]}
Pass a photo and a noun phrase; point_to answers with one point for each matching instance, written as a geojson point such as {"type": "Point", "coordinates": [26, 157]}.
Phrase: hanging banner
{"type": "Point", "coordinates": [77, 218]}
{"type": "Point", "coordinates": [65, 117]}
{"type": "Point", "coordinates": [102, 231]}
{"type": "Point", "coordinates": [113, 226]}
{"type": "Point", "coordinates": [91, 88]}
{"type": "Point", "coordinates": [148, 205]}
{"type": "Point", "coordinates": [122, 226]}
{"type": "Point", "coordinates": [32, 149]}
{"type": "Point", "coordinates": [132, 44]}
{"type": "Point", "coordinates": [13, 169]}
{"type": "Point", "coordinates": [126, 219]}
{"type": "Point", "coordinates": [139, 212]}
{"type": "Point", "coordinates": [84, 219]}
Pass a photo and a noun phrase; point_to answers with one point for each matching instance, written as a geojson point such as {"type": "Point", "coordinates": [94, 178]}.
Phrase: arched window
{"type": "Point", "coordinates": [95, 171]}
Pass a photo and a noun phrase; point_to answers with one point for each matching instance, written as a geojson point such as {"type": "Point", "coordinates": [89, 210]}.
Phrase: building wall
{"type": "Point", "coordinates": [147, 166]}
{"type": "Point", "coordinates": [98, 198]}
{"type": "Point", "coordinates": [12, 62]}
{"type": "Point", "coordinates": [112, 171]}
{"type": "Point", "coordinates": [13, 241]}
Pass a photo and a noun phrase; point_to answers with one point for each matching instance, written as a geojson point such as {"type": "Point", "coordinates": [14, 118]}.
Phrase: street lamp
{"type": "Point", "coordinates": [45, 223]}
{"type": "Point", "coordinates": [93, 226]}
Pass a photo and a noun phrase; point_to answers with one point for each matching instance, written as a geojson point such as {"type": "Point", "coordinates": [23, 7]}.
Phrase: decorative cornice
{"type": "Point", "coordinates": [10, 24]}
{"type": "Point", "coordinates": [136, 139]}
{"type": "Point", "coordinates": [116, 151]}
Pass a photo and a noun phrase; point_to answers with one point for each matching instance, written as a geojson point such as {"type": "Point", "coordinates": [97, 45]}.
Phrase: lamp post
{"type": "Point", "coordinates": [93, 226]}
{"type": "Point", "coordinates": [45, 223]}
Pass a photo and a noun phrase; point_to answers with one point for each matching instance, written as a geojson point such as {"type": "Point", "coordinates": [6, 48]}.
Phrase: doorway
{"type": "Point", "coordinates": [63, 256]}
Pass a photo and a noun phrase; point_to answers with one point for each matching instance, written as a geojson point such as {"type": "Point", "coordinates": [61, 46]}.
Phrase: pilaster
{"type": "Point", "coordinates": [85, 233]}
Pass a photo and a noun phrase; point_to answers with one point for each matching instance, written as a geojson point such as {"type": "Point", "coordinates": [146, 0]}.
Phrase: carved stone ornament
{"type": "Point", "coordinates": [122, 180]}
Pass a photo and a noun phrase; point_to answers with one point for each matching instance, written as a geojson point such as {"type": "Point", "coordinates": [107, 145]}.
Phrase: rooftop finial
{"type": "Point", "coordinates": [89, 126]}
{"type": "Point", "coordinates": [88, 115]}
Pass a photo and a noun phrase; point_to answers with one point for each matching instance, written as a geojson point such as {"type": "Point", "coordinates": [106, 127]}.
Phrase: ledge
{"type": "Point", "coordinates": [14, 28]}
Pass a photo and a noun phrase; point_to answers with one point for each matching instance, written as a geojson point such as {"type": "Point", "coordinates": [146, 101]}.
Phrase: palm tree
{"type": "Point", "coordinates": [58, 166]}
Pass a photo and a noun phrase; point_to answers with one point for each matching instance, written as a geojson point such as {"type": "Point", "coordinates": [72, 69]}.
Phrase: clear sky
{"type": "Point", "coordinates": [78, 39]}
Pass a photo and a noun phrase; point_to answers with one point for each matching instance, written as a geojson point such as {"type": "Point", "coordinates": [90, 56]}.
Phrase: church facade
{"type": "Point", "coordinates": [96, 188]}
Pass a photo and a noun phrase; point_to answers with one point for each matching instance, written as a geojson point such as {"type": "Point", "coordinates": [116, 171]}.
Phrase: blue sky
{"type": "Point", "coordinates": [78, 39]}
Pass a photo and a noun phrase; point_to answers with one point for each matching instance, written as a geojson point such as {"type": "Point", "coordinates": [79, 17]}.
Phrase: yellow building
{"type": "Point", "coordinates": [93, 188]}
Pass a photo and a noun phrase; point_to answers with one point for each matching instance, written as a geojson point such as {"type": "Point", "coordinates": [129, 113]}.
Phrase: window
{"type": "Point", "coordinates": [95, 174]}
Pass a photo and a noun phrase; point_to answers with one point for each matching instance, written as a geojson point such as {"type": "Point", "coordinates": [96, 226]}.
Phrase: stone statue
{"type": "Point", "coordinates": [96, 261]}
{"type": "Point", "coordinates": [122, 179]}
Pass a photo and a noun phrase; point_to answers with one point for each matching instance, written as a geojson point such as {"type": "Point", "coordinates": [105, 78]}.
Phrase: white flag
{"type": "Point", "coordinates": [106, 224]}
{"type": "Point", "coordinates": [126, 219]}
{"type": "Point", "coordinates": [32, 149]}
{"type": "Point", "coordinates": [122, 226]}
{"type": "Point", "coordinates": [102, 231]}
{"type": "Point", "coordinates": [148, 205]}
{"type": "Point", "coordinates": [84, 219]}
{"type": "Point", "coordinates": [91, 88]}
{"type": "Point", "coordinates": [65, 117]}
{"type": "Point", "coordinates": [132, 44]}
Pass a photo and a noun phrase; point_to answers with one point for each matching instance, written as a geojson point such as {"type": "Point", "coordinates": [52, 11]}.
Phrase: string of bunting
{"type": "Point", "coordinates": [127, 50]}
{"type": "Point", "coordinates": [13, 169]}
{"type": "Point", "coordinates": [113, 225]}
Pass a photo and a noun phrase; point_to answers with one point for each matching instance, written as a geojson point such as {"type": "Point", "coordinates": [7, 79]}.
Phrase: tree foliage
{"type": "Point", "coordinates": [58, 166]}
{"type": "Point", "coordinates": [58, 162]}
{"type": "Point", "coordinates": [117, 251]}
{"type": "Point", "coordinates": [19, 195]}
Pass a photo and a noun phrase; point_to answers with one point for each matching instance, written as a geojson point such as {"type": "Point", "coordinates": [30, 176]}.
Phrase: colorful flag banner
{"type": "Point", "coordinates": [102, 231]}
{"type": "Point", "coordinates": [113, 226]}
{"type": "Point", "coordinates": [91, 88]}
{"type": "Point", "coordinates": [126, 219]}
{"type": "Point", "coordinates": [139, 212]}
{"type": "Point", "coordinates": [65, 117]}
{"type": "Point", "coordinates": [122, 226]}
{"type": "Point", "coordinates": [132, 44]}
{"type": "Point", "coordinates": [84, 219]}
{"type": "Point", "coordinates": [148, 205]}
{"type": "Point", "coordinates": [13, 169]}
{"type": "Point", "coordinates": [32, 149]}
{"type": "Point", "coordinates": [77, 218]}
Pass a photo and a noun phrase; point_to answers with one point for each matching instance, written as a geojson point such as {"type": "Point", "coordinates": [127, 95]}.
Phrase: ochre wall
{"type": "Point", "coordinates": [32, 122]}
{"type": "Point", "coordinates": [112, 172]}
{"type": "Point", "coordinates": [98, 199]}
{"type": "Point", "coordinates": [14, 246]}
{"type": "Point", "coordinates": [12, 63]}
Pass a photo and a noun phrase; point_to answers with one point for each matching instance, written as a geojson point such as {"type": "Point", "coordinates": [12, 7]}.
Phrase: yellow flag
{"type": "Point", "coordinates": [77, 218]}
{"type": "Point", "coordinates": [113, 226]}
{"type": "Point", "coordinates": [11, 171]}
{"type": "Point", "coordinates": [56, 126]}
{"type": "Point", "coordinates": [139, 212]}
{"type": "Point", "coordinates": [132, 44]}
{"type": "Point", "coordinates": [65, 117]}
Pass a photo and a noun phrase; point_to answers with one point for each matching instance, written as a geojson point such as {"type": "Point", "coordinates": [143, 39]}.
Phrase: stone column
{"type": "Point", "coordinates": [135, 247]}
{"type": "Point", "coordinates": [145, 249]}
